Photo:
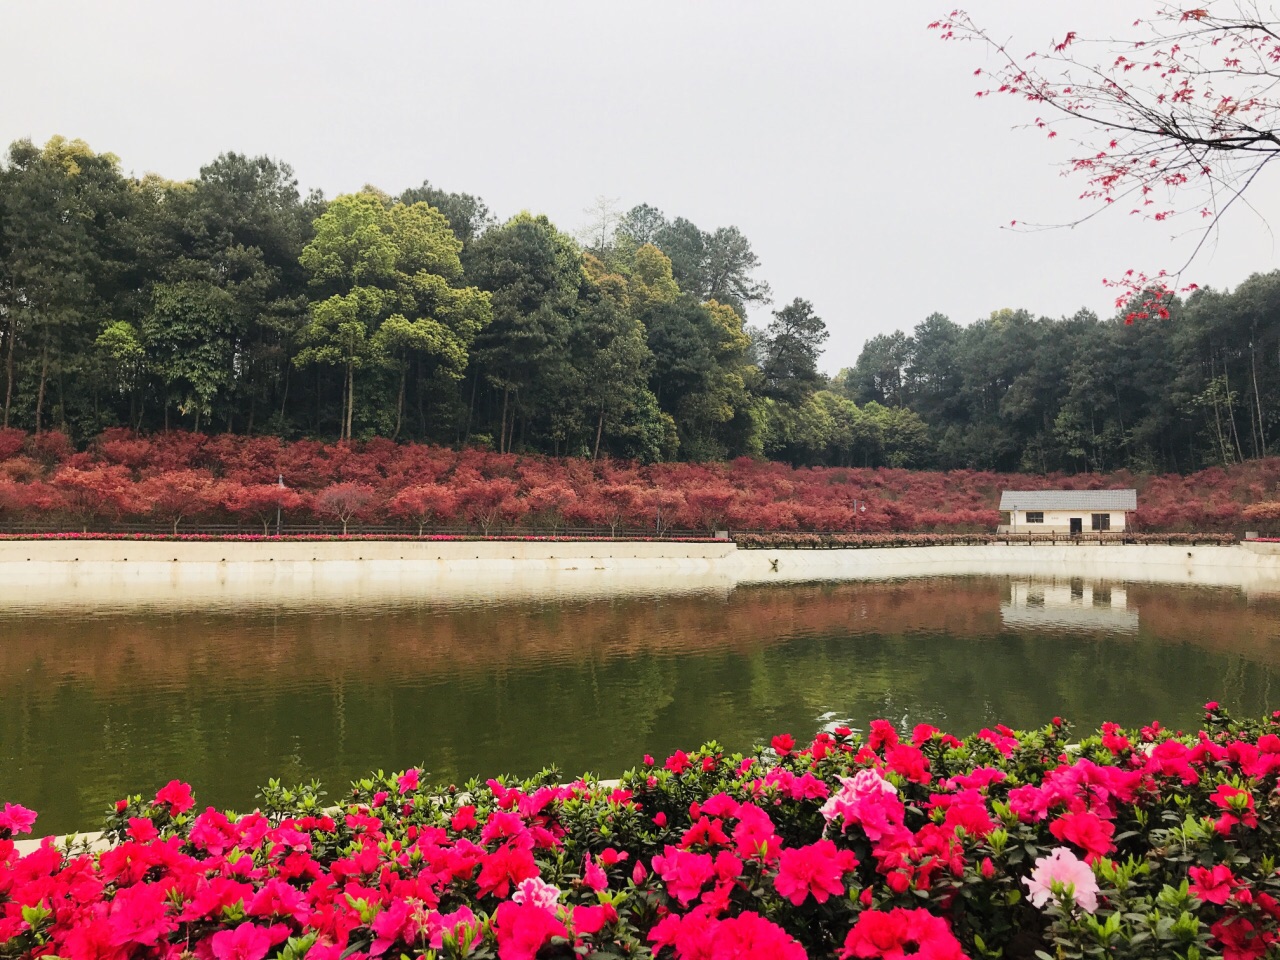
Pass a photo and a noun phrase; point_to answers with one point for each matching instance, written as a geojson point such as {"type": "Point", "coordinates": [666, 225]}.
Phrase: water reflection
{"type": "Point", "coordinates": [93, 706]}
{"type": "Point", "coordinates": [1077, 605]}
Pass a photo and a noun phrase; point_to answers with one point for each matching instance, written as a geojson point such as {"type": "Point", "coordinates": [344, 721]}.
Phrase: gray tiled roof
{"type": "Point", "coordinates": [1069, 500]}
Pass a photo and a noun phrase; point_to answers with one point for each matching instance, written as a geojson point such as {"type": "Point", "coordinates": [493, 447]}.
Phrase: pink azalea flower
{"type": "Point", "coordinates": [1212, 886]}
{"type": "Point", "coordinates": [16, 819]}
{"type": "Point", "coordinates": [816, 870]}
{"type": "Point", "coordinates": [246, 942]}
{"type": "Point", "coordinates": [1087, 831]}
{"type": "Point", "coordinates": [537, 892]}
{"type": "Point", "coordinates": [508, 865]}
{"type": "Point", "coordinates": [1063, 867]}
{"type": "Point", "coordinates": [685, 873]}
{"type": "Point", "coordinates": [592, 875]}
{"type": "Point", "coordinates": [901, 933]}
{"type": "Point", "coordinates": [524, 929]}
{"type": "Point", "coordinates": [177, 795]}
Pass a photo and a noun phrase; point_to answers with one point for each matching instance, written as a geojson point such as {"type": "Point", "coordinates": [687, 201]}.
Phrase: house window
{"type": "Point", "coordinates": [1035, 516]}
{"type": "Point", "coordinates": [1101, 521]}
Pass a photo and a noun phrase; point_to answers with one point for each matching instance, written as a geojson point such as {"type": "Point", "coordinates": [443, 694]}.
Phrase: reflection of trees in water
{"type": "Point", "coordinates": [92, 709]}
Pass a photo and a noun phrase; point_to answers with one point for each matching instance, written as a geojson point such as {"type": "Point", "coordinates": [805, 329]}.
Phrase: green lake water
{"type": "Point", "coordinates": [97, 705]}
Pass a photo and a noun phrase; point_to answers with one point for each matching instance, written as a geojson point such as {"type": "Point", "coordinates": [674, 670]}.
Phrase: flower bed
{"type": "Point", "coordinates": [336, 537]}
{"type": "Point", "coordinates": [849, 541]}
{"type": "Point", "coordinates": [1015, 844]}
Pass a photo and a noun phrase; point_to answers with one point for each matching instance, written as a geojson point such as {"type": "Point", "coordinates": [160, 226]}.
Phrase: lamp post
{"type": "Point", "coordinates": [859, 506]}
{"type": "Point", "coordinates": [281, 482]}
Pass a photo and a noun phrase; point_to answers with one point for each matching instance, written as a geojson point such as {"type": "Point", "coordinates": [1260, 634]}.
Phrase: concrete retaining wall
{"type": "Point", "coordinates": [104, 573]}
{"type": "Point", "coordinates": [108, 573]}
{"type": "Point", "coordinates": [1212, 566]}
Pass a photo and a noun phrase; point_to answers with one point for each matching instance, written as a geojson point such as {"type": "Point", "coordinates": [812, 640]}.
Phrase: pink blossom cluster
{"type": "Point", "coordinates": [853, 846]}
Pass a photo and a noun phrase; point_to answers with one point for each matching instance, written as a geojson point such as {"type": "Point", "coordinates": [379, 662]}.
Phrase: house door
{"type": "Point", "coordinates": [1077, 525]}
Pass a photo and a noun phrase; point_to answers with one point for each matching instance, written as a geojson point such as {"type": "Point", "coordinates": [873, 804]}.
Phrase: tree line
{"type": "Point", "coordinates": [234, 303]}
{"type": "Point", "coordinates": [1196, 387]}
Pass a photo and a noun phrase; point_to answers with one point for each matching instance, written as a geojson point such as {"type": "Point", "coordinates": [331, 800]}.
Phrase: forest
{"type": "Point", "coordinates": [232, 303]}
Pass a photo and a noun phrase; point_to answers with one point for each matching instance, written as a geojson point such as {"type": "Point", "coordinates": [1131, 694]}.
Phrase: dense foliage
{"type": "Point", "coordinates": [1127, 844]}
{"type": "Point", "coordinates": [1017, 392]}
{"type": "Point", "coordinates": [231, 303]}
{"type": "Point", "coordinates": [180, 479]}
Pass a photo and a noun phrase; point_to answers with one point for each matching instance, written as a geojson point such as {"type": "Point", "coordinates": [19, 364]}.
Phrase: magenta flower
{"type": "Point", "coordinates": [248, 941]}
{"type": "Point", "coordinates": [817, 869]}
{"type": "Point", "coordinates": [16, 819]}
{"type": "Point", "coordinates": [177, 795]}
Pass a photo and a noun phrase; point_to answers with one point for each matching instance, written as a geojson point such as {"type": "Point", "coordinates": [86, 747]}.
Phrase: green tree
{"type": "Point", "coordinates": [788, 351]}
{"type": "Point", "coordinates": [381, 265]}
{"type": "Point", "coordinates": [533, 272]}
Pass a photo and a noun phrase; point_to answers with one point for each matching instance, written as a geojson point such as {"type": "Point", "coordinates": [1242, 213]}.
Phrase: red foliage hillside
{"type": "Point", "coordinates": [185, 478]}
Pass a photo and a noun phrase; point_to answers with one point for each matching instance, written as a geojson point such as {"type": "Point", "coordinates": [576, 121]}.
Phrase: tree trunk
{"type": "Point", "coordinates": [1231, 415]}
{"type": "Point", "coordinates": [44, 376]}
{"type": "Point", "coordinates": [351, 401]}
{"type": "Point", "coordinates": [471, 409]}
{"type": "Point", "coordinates": [285, 398]}
{"type": "Point", "coordinates": [502, 432]}
{"type": "Point", "coordinates": [12, 339]}
{"type": "Point", "coordinates": [1257, 401]}
{"type": "Point", "coordinates": [404, 373]}
{"type": "Point", "coordinates": [599, 432]}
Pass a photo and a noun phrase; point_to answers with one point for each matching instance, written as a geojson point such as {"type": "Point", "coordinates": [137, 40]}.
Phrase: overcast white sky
{"type": "Point", "coordinates": [842, 137]}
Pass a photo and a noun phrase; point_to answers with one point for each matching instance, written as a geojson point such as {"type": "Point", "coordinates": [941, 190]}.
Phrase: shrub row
{"type": "Point", "coordinates": [1129, 843]}
{"type": "Point", "coordinates": [184, 478]}
{"type": "Point", "coordinates": [844, 541]}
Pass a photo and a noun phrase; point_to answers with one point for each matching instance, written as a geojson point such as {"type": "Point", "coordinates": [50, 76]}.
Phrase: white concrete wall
{"type": "Point", "coordinates": [1059, 521]}
{"type": "Point", "coordinates": [109, 573]}
{"type": "Point", "coordinates": [105, 574]}
{"type": "Point", "coordinates": [1212, 566]}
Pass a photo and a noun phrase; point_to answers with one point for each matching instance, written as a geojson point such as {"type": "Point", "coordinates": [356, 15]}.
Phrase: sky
{"type": "Point", "coordinates": [842, 138]}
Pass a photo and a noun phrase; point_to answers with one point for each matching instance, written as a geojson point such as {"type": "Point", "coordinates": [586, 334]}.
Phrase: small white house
{"type": "Point", "coordinates": [1067, 511]}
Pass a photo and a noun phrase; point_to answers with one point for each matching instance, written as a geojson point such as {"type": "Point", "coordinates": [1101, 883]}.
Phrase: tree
{"type": "Point", "coordinates": [52, 248]}
{"type": "Point", "coordinates": [620, 505]}
{"type": "Point", "coordinates": [468, 216]}
{"type": "Point", "coordinates": [98, 492]}
{"type": "Point", "coordinates": [387, 267]}
{"type": "Point", "coordinates": [344, 501]}
{"type": "Point", "coordinates": [880, 372]}
{"type": "Point", "coordinates": [485, 502]}
{"type": "Point", "coordinates": [533, 272]}
{"type": "Point", "coordinates": [176, 494]}
{"type": "Point", "coordinates": [424, 503]}
{"type": "Point", "coordinates": [788, 352]}
{"type": "Point", "coordinates": [263, 501]}
{"type": "Point", "coordinates": [1177, 119]}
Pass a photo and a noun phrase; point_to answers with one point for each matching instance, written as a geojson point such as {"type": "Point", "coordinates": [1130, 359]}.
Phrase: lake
{"type": "Point", "coordinates": [94, 705]}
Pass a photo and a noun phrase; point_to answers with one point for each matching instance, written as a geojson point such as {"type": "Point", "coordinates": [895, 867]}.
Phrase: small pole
{"type": "Point", "coordinates": [281, 482]}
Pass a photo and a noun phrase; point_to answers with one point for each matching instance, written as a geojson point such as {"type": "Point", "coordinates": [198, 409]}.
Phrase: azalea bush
{"type": "Point", "coordinates": [1123, 843]}
{"type": "Point", "coordinates": [178, 480]}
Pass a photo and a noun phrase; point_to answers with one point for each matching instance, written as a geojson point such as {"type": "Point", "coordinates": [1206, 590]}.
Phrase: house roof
{"type": "Point", "coordinates": [1069, 500]}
